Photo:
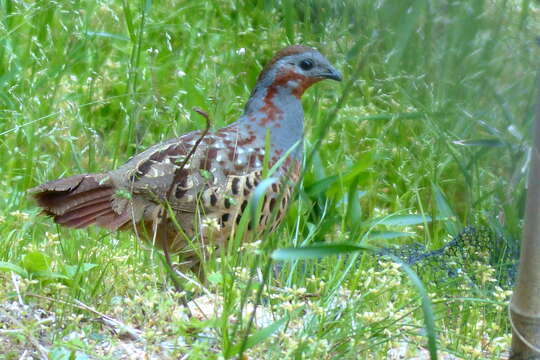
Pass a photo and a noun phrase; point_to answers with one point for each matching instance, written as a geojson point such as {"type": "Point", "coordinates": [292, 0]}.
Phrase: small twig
{"type": "Point", "coordinates": [117, 325]}
{"type": "Point", "coordinates": [17, 290]}
{"type": "Point", "coordinates": [23, 356]}
{"type": "Point", "coordinates": [132, 333]}
{"type": "Point", "coordinates": [176, 179]}
{"type": "Point", "coordinates": [178, 171]}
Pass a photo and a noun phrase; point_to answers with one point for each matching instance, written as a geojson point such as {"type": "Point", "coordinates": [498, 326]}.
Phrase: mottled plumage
{"type": "Point", "coordinates": [215, 183]}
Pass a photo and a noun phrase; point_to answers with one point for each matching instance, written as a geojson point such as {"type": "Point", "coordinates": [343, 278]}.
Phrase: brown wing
{"type": "Point", "coordinates": [157, 174]}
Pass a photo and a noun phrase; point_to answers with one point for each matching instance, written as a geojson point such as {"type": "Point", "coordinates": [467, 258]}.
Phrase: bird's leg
{"type": "Point", "coordinates": [161, 218]}
{"type": "Point", "coordinates": [201, 236]}
{"type": "Point", "coordinates": [177, 286]}
{"type": "Point", "coordinates": [198, 267]}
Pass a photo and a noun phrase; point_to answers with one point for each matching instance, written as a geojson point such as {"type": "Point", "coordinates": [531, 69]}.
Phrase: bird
{"type": "Point", "coordinates": [200, 183]}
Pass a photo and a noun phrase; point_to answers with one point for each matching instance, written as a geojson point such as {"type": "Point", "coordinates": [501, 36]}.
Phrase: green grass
{"type": "Point", "coordinates": [433, 120]}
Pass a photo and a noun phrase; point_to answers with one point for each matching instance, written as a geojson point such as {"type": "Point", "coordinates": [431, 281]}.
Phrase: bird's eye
{"type": "Point", "coordinates": [306, 64]}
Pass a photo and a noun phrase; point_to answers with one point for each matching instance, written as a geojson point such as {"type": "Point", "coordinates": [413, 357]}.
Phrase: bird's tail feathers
{"type": "Point", "coordinates": [79, 201]}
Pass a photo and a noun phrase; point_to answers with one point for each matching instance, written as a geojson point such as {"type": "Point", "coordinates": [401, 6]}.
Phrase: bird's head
{"type": "Point", "coordinates": [296, 68]}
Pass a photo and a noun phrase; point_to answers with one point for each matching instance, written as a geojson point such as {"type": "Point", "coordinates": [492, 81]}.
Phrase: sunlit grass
{"type": "Point", "coordinates": [435, 123]}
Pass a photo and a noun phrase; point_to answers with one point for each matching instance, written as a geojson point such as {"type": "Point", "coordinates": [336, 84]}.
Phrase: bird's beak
{"type": "Point", "coordinates": [331, 73]}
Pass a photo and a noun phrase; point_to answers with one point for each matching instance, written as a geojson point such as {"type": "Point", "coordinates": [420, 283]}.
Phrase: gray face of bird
{"type": "Point", "coordinates": [297, 71]}
{"type": "Point", "coordinates": [310, 65]}
{"type": "Point", "coordinates": [291, 72]}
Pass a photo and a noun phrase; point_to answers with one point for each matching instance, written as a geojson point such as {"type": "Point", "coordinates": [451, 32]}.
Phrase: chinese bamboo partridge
{"type": "Point", "coordinates": [204, 179]}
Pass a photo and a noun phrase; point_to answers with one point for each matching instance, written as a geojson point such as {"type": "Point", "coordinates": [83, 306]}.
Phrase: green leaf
{"type": "Point", "coordinates": [80, 355]}
{"type": "Point", "coordinates": [215, 278]}
{"type": "Point", "coordinates": [129, 20]}
{"type": "Point", "coordinates": [332, 182]}
{"type": "Point", "coordinates": [387, 235]}
{"type": "Point", "coordinates": [104, 34]}
{"type": "Point", "coordinates": [72, 270]}
{"type": "Point", "coordinates": [359, 167]}
{"type": "Point", "coordinates": [60, 353]}
{"type": "Point", "coordinates": [393, 116]}
{"type": "Point", "coordinates": [444, 211]}
{"type": "Point", "coordinates": [85, 267]}
{"type": "Point", "coordinates": [49, 275]}
{"type": "Point", "coordinates": [480, 142]}
{"type": "Point", "coordinates": [317, 251]}
{"type": "Point", "coordinates": [354, 211]}
{"type": "Point", "coordinates": [321, 186]}
{"type": "Point", "coordinates": [355, 49]}
{"type": "Point", "coordinates": [405, 30]}
{"type": "Point", "coordinates": [207, 175]}
{"type": "Point", "coordinates": [282, 159]}
{"type": "Point", "coordinates": [35, 261]}
{"type": "Point", "coordinates": [319, 170]}
{"type": "Point", "coordinates": [427, 309]}
{"type": "Point", "coordinates": [290, 19]}
{"type": "Point", "coordinates": [123, 194]}
{"type": "Point", "coordinates": [258, 194]}
{"type": "Point", "coordinates": [402, 220]}
{"type": "Point", "coordinates": [261, 335]}
{"type": "Point", "coordinates": [7, 267]}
